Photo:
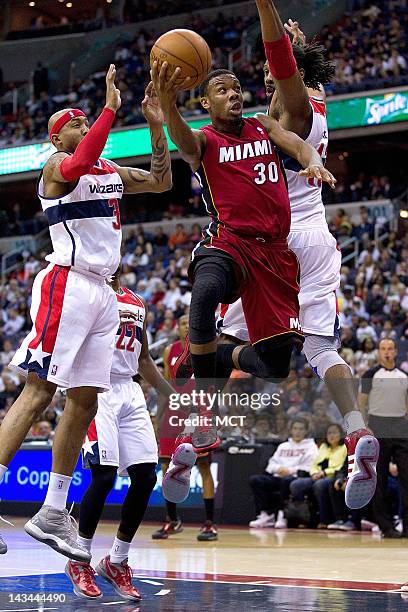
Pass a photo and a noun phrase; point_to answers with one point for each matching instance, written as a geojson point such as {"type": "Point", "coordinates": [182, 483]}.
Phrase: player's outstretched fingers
{"type": "Point", "coordinates": [171, 84]}
{"type": "Point", "coordinates": [327, 177]}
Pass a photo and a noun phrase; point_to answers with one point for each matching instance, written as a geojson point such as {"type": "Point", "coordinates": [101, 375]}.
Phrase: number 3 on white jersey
{"type": "Point", "coordinates": [261, 169]}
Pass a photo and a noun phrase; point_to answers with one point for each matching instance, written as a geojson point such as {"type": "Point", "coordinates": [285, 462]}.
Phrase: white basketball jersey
{"type": "Point", "coordinates": [305, 194]}
{"type": "Point", "coordinates": [85, 223]}
{"type": "Point", "coordinates": [129, 336]}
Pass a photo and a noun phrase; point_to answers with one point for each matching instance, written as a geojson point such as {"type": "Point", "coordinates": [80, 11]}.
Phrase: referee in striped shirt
{"type": "Point", "coordinates": [384, 396]}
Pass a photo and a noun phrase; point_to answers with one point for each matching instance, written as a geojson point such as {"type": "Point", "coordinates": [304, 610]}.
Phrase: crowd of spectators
{"type": "Point", "coordinates": [368, 47]}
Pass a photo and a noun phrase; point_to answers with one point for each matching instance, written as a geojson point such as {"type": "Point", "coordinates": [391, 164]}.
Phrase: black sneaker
{"type": "Point", "coordinates": [169, 528]}
{"type": "Point", "coordinates": [208, 532]}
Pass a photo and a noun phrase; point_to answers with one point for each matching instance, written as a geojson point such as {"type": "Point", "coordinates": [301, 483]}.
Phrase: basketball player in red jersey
{"type": "Point", "coordinates": [172, 356]}
{"type": "Point", "coordinates": [74, 312]}
{"type": "Point", "coordinates": [244, 252]}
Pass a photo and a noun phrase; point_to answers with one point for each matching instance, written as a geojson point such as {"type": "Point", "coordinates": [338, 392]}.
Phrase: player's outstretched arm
{"type": "Point", "coordinates": [292, 92]}
{"type": "Point", "coordinates": [190, 143]}
{"type": "Point", "coordinates": [294, 146]}
{"type": "Point", "coordinates": [149, 370]}
{"type": "Point", "coordinates": [65, 168]}
{"type": "Point", "coordinates": [159, 178]}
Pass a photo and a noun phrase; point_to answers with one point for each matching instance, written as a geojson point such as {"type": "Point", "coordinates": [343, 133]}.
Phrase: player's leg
{"type": "Point", "coordinates": [52, 524]}
{"type": "Point", "coordinates": [172, 523]}
{"type": "Point", "coordinates": [81, 574]}
{"type": "Point", "coordinates": [33, 400]}
{"type": "Point", "coordinates": [100, 453]}
{"type": "Point", "coordinates": [209, 531]}
{"type": "Point", "coordinates": [214, 282]}
{"type": "Point", "coordinates": [82, 352]}
{"type": "Point", "coordinates": [138, 459]}
{"type": "Point", "coordinates": [114, 567]}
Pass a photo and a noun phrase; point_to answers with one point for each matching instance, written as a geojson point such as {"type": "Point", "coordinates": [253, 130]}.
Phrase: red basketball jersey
{"type": "Point", "coordinates": [243, 181]}
{"type": "Point", "coordinates": [176, 350]}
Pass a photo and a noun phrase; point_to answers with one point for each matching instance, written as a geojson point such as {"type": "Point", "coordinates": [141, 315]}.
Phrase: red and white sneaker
{"type": "Point", "coordinates": [176, 481]}
{"type": "Point", "coordinates": [363, 450]}
{"type": "Point", "coordinates": [120, 577]}
{"type": "Point", "coordinates": [82, 576]}
{"type": "Point", "coordinates": [404, 587]}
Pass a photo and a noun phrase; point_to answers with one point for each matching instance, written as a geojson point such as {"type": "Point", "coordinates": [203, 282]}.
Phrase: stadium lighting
{"type": "Point", "coordinates": [404, 214]}
{"type": "Point", "coordinates": [68, 4]}
{"type": "Point", "coordinates": [31, 4]}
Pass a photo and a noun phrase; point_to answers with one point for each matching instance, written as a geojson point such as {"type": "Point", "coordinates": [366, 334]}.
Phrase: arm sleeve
{"type": "Point", "coordinates": [89, 149]}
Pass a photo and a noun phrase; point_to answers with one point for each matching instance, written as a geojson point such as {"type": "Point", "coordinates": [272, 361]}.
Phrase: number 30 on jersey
{"type": "Point", "coordinates": [266, 173]}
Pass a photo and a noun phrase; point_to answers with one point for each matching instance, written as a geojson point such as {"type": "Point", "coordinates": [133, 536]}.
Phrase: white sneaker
{"type": "Point", "coordinates": [281, 522]}
{"type": "Point", "coordinates": [263, 520]}
{"type": "Point", "coordinates": [176, 481]}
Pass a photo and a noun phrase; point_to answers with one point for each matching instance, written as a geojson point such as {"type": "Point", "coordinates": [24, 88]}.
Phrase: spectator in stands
{"type": "Point", "coordinates": [7, 353]}
{"type": "Point", "coordinates": [271, 488]}
{"type": "Point", "coordinates": [367, 356]}
{"type": "Point", "coordinates": [365, 229]}
{"type": "Point", "coordinates": [384, 396]}
{"type": "Point", "coordinates": [329, 460]}
{"type": "Point", "coordinates": [178, 237]}
{"type": "Point", "coordinates": [13, 322]}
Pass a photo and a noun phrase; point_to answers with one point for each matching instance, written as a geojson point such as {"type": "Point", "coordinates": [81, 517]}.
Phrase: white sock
{"type": "Point", "coordinates": [85, 542]}
{"type": "Point", "coordinates": [119, 551]}
{"type": "Point", "coordinates": [57, 491]}
{"type": "Point", "coordinates": [3, 470]}
{"type": "Point", "coordinates": [353, 421]}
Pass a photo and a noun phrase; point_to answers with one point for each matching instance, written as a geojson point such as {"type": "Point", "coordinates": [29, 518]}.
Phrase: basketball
{"type": "Point", "coordinates": [186, 49]}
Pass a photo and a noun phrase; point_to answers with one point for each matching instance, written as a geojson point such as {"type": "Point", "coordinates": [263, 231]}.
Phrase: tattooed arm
{"type": "Point", "coordinates": [159, 178]}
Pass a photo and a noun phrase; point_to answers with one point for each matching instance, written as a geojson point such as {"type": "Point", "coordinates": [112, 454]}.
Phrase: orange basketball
{"type": "Point", "coordinates": [186, 49]}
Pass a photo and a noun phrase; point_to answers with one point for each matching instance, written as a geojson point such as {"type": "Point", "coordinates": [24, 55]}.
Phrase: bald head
{"type": "Point", "coordinates": [54, 118]}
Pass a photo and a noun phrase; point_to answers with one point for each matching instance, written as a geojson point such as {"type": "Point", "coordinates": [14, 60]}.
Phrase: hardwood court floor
{"type": "Point", "coordinates": [277, 570]}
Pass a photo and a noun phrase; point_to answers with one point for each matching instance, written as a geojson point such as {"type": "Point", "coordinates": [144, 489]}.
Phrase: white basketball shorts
{"type": "Point", "coordinates": [122, 433]}
{"type": "Point", "coordinates": [320, 262]}
{"type": "Point", "coordinates": [75, 320]}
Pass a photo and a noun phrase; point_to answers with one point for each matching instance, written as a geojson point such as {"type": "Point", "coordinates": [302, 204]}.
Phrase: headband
{"type": "Point", "coordinates": [70, 114]}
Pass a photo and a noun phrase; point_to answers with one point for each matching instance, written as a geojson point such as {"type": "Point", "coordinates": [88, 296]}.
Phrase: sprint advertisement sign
{"type": "Point", "coordinates": [367, 111]}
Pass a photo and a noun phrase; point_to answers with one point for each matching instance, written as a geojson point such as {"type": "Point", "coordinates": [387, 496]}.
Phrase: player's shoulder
{"type": "Point", "coordinates": [130, 297]}
{"type": "Point", "coordinates": [318, 105]}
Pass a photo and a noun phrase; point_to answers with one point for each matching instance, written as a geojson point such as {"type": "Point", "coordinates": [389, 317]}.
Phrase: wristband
{"type": "Point", "coordinates": [281, 61]}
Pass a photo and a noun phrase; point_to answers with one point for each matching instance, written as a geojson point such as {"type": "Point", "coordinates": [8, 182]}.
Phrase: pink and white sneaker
{"type": "Point", "coordinates": [176, 481]}
{"type": "Point", "coordinates": [363, 450]}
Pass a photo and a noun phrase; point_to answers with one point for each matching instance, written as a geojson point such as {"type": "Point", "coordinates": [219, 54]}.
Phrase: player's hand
{"type": "Point", "coordinates": [293, 28]}
{"type": "Point", "coordinates": [151, 108]}
{"type": "Point", "coordinates": [282, 471]}
{"type": "Point", "coordinates": [113, 100]}
{"type": "Point", "coordinates": [165, 85]}
{"type": "Point", "coordinates": [320, 173]}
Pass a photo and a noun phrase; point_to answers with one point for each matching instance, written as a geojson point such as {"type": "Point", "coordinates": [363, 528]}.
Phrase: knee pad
{"type": "Point", "coordinates": [143, 475]}
{"type": "Point", "coordinates": [103, 476]}
{"type": "Point", "coordinates": [322, 354]}
{"type": "Point", "coordinates": [210, 288]}
{"type": "Point", "coordinates": [274, 355]}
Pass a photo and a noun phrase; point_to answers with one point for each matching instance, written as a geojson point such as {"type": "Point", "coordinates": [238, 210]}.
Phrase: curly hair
{"type": "Point", "coordinates": [311, 57]}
